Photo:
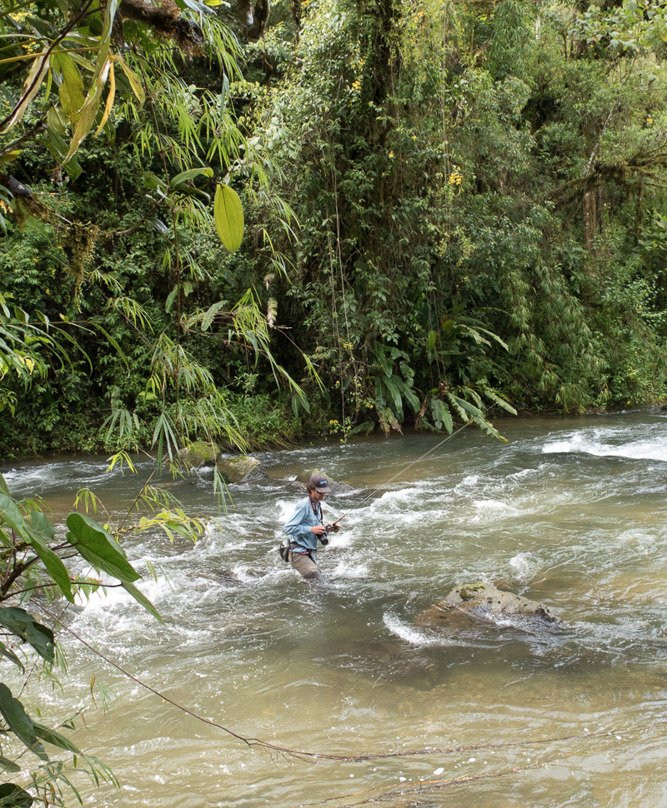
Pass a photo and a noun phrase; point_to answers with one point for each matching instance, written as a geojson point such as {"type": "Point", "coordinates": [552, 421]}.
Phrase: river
{"type": "Point", "coordinates": [571, 512]}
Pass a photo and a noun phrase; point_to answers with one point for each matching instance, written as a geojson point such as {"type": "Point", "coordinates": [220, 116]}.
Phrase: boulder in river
{"type": "Point", "coordinates": [305, 475]}
{"type": "Point", "coordinates": [200, 453]}
{"type": "Point", "coordinates": [481, 599]}
{"type": "Point", "coordinates": [238, 468]}
{"type": "Point", "coordinates": [337, 487]}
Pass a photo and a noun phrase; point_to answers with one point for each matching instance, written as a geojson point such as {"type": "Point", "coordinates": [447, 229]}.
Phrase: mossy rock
{"type": "Point", "coordinates": [337, 487]}
{"type": "Point", "coordinates": [238, 468]}
{"type": "Point", "coordinates": [478, 597]}
{"type": "Point", "coordinates": [200, 453]}
{"type": "Point", "coordinates": [305, 476]}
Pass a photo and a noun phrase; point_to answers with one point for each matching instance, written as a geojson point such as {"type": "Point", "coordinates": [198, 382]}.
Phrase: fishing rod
{"type": "Point", "coordinates": [403, 470]}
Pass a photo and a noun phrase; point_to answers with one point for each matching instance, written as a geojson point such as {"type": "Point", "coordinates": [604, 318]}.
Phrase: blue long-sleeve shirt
{"type": "Point", "coordinates": [300, 522]}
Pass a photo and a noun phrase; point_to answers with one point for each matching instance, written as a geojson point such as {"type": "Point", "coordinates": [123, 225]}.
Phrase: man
{"type": "Point", "coordinates": [305, 526]}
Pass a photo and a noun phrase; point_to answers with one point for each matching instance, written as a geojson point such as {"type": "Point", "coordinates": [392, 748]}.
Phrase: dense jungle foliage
{"type": "Point", "coordinates": [448, 206]}
{"type": "Point", "coordinates": [244, 222]}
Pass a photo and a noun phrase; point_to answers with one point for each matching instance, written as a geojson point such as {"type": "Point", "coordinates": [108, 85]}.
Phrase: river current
{"type": "Point", "coordinates": [571, 512]}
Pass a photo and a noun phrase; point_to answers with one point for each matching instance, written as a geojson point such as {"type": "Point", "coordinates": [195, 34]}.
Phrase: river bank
{"type": "Point", "coordinates": [265, 425]}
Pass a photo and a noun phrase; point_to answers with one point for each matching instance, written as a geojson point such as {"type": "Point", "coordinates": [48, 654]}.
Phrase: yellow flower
{"type": "Point", "coordinates": [455, 178]}
{"type": "Point", "coordinates": [649, 120]}
{"type": "Point", "coordinates": [356, 85]}
{"type": "Point", "coordinates": [391, 155]}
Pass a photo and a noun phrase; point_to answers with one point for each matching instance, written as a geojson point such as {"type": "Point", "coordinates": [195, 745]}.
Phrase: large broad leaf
{"type": "Point", "coordinates": [19, 622]}
{"type": "Point", "coordinates": [55, 738]}
{"type": "Point", "coordinates": [141, 598]}
{"type": "Point", "coordinates": [85, 118]}
{"type": "Point", "coordinates": [41, 525]}
{"type": "Point", "coordinates": [228, 213]}
{"type": "Point", "coordinates": [10, 514]}
{"type": "Point", "coordinates": [54, 565]}
{"type": "Point", "coordinates": [19, 721]}
{"type": "Point", "coordinates": [98, 547]}
{"type": "Point", "coordinates": [12, 796]}
{"type": "Point", "coordinates": [71, 89]}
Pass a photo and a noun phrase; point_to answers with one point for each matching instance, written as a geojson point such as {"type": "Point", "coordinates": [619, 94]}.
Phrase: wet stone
{"type": "Point", "coordinates": [337, 487]}
{"type": "Point", "coordinates": [480, 598]}
{"type": "Point", "coordinates": [237, 469]}
{"type": "Point", "coordinates": [200, 453]}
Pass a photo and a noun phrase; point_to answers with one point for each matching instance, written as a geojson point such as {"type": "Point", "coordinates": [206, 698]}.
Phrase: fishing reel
{"type": "Point", "coordinates": [324, 537]}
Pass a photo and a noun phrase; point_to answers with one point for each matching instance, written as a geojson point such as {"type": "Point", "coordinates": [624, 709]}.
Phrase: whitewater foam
{"type": "Point", "coordinates": [644, 449]}
{"type": "Point", "coordinates": [525, 565]}
{"type": "Point", "coordinates": [406, 632]}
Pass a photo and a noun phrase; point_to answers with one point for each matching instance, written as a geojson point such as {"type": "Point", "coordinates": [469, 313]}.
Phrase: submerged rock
{"type": "Point", "coordinates": [200, 453]}
{"type": "Point", "coordinates": [305, 476]}
{"type": "Point", "coordinates": [236, 469]}
{"type": "Point", "coordinates": [480, 598]}
{"type": "Point", "coordinates": [337, 487]}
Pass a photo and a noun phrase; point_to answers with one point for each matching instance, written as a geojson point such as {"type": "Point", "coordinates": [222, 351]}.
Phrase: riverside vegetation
{"type": "Point", "coordinates": [245, 224]}
{"type": "Point", "coordinates": [446, 206]}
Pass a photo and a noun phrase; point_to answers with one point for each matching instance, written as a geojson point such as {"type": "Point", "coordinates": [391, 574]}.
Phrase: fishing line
{"type": "Point", "coordinates": [405, 468]}
{"type": "Point", "coordinates": [303, 754]}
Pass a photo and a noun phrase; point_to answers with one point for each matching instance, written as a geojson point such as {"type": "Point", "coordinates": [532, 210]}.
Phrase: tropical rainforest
{"type": "Point", "coordinates": [443, 211]}
{"type": "Point", "coordinates": [247, 223]}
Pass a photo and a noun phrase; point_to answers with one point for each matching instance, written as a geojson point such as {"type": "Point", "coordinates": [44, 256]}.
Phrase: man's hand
{"type": "Point", "coordinates": [318, 530]}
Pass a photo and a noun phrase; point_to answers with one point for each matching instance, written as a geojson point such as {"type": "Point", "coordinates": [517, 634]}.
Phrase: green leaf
{"type": "Point", "coordinates": [86, 116]}
{"type": "Point", "coordinates": [55, 738]}
{"type": "Point", "coordinates": [228, 214]}
{"type": "Point", "coordinates": [19, 622]}
{"type": "Point", "coordinates": [395, 393]}
{"type": "Point", "coordinates": [408, 393]}
{"type": "Point", "coordinates": [10, 513]}
{"type": "Point", "coordinates": [142, 599]}
{"type": "Point", "coordinates": [171, 297]}
{"type": "Point", "coordinates": [209, 314]}
{"type": "Point", "coordinates": [12, 796]}
{"type": "Point", "coordinates": [40, 524]}
{"type": "Point", "coordinates": [19, 721]}
{"type": "Point", "coordinates": [54, 565]}
{"type": "Point", "coordinates": [8, 765]}
{"type": "Point", "coordinates": [499, 401]}
{"type": "Point", "coordinates": [132, 77]}
{"type": "Point", "coordinates": [5, 652]}
{"type": "Point", "coordinates": [31, 86]}
{"type": "Point", "coordinates": [98, 547]}
{"type": "Point", "coordinates": [441, 415]}
{"type": "Point", "coordinates": [71, 89]}
{"type": "Point", "coordinates": [190, 174]}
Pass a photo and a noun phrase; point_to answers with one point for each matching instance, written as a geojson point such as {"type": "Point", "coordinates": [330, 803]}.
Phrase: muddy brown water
{"type": "Point", "coordinates": [572, 512]}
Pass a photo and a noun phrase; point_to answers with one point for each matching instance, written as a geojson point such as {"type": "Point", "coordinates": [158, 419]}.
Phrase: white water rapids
{"type": "Point", "coordinates": [572, 512]}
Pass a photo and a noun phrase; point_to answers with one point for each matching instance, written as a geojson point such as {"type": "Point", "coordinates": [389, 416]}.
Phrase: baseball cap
{"type": "Point", "coordinates": [320, 484]}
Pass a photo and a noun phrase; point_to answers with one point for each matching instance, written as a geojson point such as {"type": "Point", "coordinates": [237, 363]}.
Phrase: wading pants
{"type": "Point", "coordinates": [306, 567]}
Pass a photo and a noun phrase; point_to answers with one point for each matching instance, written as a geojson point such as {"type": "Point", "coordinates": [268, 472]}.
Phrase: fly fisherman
{"type": "Point", "coordinates": [305, 526]}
